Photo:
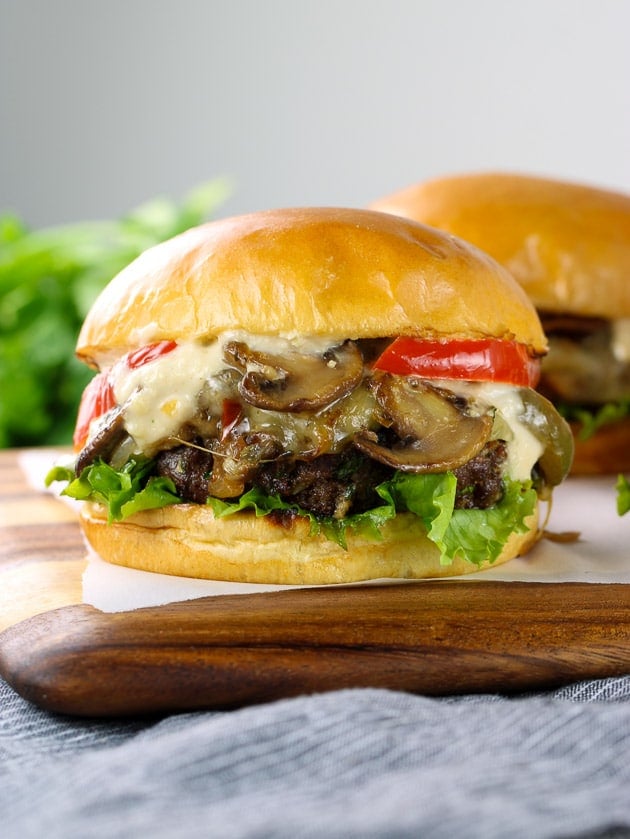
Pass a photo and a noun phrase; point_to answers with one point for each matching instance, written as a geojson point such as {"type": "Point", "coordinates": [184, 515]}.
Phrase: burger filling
{"type": "Point", "coordinates": [587, 371]}
{"type": "Point", "coordinates": [346, 435]}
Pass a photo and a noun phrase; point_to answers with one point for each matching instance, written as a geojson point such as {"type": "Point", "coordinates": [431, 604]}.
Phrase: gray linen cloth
{"type": "Point", "coordinates": [350, 763]}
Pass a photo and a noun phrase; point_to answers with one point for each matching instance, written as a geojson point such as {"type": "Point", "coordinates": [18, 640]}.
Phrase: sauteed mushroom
{"type": "Point", "coordinates": [106, 440]}
{"type": "Point", "coordinates": [435, 431]}
{"type": "Point", "coordinates": [295, 382]}
{"type": "Point", "coordinates": [236, 460]}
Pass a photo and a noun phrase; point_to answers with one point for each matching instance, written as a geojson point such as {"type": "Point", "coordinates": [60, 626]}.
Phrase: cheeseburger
{"type": "Point", "coordinates": [568, 245]}
{"type": "Point", "coordinates": [313, 396]}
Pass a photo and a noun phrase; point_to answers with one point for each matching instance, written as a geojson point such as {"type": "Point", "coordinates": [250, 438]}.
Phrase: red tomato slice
{"type": "Point", "coordinates": [97, 399]}
{"type": "Point", "coordinates": [482, 360]}
{"type": "Point", "coordinates": [149, 353]}
{"type": "Point", "coordinates": [98, 396]}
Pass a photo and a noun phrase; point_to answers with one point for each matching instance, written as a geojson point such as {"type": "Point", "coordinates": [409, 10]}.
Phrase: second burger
{"type": "Point", "coordinates": [568, 245]}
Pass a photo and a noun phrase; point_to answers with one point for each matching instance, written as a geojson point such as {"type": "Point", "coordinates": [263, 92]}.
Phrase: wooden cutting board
{"type": "Point", "coordinates": [436, 638]}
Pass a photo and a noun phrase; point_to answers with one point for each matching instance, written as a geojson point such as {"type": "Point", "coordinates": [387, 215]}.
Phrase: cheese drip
{"type": "Point", "coordinates": [162, 396]}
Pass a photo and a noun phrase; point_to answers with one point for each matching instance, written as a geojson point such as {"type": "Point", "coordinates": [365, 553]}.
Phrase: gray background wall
{"type": "Point", "coordinates": [106, 104]}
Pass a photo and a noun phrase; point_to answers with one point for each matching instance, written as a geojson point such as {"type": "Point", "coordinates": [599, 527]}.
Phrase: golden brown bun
{"type": "Point", "coordinates": [606, 452]}
{"type": "Point", "coordinates": [186, 540]}
{"type": "Point", "coordinates": [314, 272]}
{"type": "Point", "coordinates": [567, 244]}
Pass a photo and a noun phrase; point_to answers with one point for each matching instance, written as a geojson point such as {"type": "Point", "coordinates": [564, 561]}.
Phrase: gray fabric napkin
{"type": "Point", "coordinates": [352, 763]}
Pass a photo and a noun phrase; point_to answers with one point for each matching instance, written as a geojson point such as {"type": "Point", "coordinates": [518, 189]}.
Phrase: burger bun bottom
{"type": "Point", "coordinates": [187, 540]}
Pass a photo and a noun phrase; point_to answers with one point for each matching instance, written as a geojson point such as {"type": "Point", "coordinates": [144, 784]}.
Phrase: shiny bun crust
{"type": "Point", "coordinates": [187, 540]}
{"type": "Point", "coordinates": [567, 244]}
{"type": "Point", "coordinates": [315, 272]}
{"type": "Point", "coordinates": [606, 452]}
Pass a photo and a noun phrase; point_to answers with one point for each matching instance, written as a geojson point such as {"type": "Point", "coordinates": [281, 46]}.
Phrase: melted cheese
{"type": "Point", "coordinates": [524, 449]}
{"type": "Point", "coordinates": [274, 345]}
{"type": "Point", "coordinates": [161, 396]}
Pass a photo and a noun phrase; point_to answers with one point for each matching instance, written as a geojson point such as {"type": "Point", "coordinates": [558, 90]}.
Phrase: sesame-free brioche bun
{"type": "Point", "coordinates": [567, 244]}
{"type": "Point", "coordinates": [187, 540]}
{"type": "Point", "coordinates": [341, 273]}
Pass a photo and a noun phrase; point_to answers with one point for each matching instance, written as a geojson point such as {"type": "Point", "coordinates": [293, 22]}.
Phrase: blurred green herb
{"type": "Point", "coordinates": [48, 280]}
{"type": "Point", "coordinates": [591, 420]}
{"type": "Point", "coordinates": [623, 495]}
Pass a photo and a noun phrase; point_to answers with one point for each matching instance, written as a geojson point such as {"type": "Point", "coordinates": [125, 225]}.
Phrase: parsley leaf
{"type": "Point", "coordinates": [48, 281]}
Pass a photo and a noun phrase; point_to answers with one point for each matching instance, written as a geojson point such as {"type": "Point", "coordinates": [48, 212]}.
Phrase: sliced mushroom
{"type": "Point", "coordinates": [435, 430]}
{"type": "Point", "coordinates": [236, 461]}
{"type": "Point", "coordinates": [107, 439]}
{"type": "Point", "coordinates": [295, 382]}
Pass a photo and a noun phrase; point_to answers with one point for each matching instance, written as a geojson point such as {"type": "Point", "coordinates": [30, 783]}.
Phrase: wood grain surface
{"type": "Point", "coordinates": [436, 638]}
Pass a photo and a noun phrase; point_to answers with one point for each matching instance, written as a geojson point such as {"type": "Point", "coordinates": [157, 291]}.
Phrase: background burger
{"type": "Point", "coordinates": [313, 396]}
{"type": "Point", "coordinates": [568, 245]}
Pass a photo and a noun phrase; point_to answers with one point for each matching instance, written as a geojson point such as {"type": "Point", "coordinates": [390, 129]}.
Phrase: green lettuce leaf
{"type": "Point", "coordinates": [623, 495]}
{"type": "Point", "coordinates": [124, 492]}
{"type": "Point", "coordinates": [367, 524]}
{"type": "Point", "coordinates": [591, 420]}
{"type": "Point", "coordinates": [474, 535]}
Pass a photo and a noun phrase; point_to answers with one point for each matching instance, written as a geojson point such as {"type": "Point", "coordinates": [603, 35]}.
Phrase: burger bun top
{"type": "Point", "coordinates": [329, 272]}
{"type": "Point", "coordinates": [567, 244]}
